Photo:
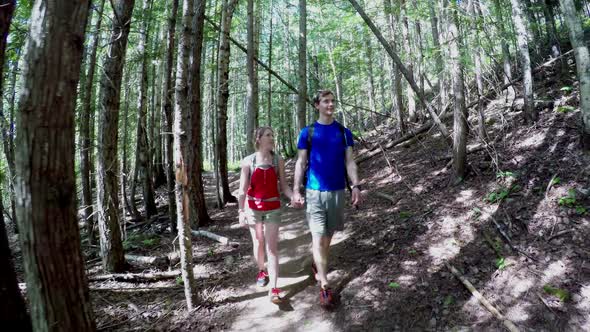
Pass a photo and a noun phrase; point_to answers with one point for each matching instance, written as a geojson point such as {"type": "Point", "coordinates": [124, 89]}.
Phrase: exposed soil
{"type": "Point", "coordinates": [517, 227]}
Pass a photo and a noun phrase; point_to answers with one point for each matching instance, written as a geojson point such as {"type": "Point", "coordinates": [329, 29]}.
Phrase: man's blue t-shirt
{"type": "Point", "coordinates": [326, 168]}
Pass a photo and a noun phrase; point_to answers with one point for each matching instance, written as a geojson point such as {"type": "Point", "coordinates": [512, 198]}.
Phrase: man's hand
{"type": "Point", "coordinates": [356, 196]}
{"type": "Point", "coordinates": [296, 200]}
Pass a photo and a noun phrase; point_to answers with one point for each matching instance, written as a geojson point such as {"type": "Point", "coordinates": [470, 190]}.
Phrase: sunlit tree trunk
{"type": "Point", "coordinates": [576, 33]}
{"type": "Point", "coordinates": [506, 63]}
{"type": "Point", "coordinates": [168, 99]}
{"type": "Point", "coordinates": [222, 98]}
{"type": "Point", "coordinates": [412, 115]}
{"type": "Point", "coordinates": [269, 79]}
{"type": "Point", "coordinates": [477, 51]}
{"type": "Point", "coordinates": [45, 184]}
{"type": "Point", "coordinates": [182, 137]}
{"type": "Point", "coordinates": [107, 174]}
{"type": "Point", "coordinates": [396, 90]}
{"type": "Point", "coordinates": [437, 54]}
{"type": "Point", "coordinates": [518, 18]}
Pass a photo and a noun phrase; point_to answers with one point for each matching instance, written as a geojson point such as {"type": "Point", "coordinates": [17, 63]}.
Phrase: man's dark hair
{"type": "Point", "coordinates": [321, 94]}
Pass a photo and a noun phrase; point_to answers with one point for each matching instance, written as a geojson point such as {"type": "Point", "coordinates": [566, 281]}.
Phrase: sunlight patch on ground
{"type": "Point", "coordinates": [519, 312]}
{"type": "Point", "coordinates": [464, 196]}
{"type": "Point", "coordinates": [555, 270]}
{"type": "Point", "coordinates": [474, 309]}
{"type": "Point", "coordinates": [418, 189]}
{"type": "Point", "coordinates": [583, 305]}
{"type": "Point", "coordinates": [444, 250]}
{"type": "Point", "coordinates": [406, 280]}
{"type": "Point", "coordinates": [532, 142]}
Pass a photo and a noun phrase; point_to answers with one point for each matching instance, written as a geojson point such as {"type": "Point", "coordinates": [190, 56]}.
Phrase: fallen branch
{"type": "Point", "coordinates": [550, 184]}
{"type": "Point", "coordinates": [153, 260]}
{"type": "Point", "coordinates": [508, 323]}
{"type": "Point", "coordinates": [393, 143]}
{"type": "Point", "coordinates": [212, 236]}
{"type": "Point", "coordinates": [136, 277]}
{"type": "Point", "coordinates": [558, 234]}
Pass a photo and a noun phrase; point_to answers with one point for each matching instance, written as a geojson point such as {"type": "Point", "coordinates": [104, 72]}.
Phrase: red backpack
{"type": "Point", "coordinates": [263, 193]}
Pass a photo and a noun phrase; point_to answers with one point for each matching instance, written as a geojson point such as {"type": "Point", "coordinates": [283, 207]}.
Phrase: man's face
{"type": "Point", "coordinates": [326, 105]}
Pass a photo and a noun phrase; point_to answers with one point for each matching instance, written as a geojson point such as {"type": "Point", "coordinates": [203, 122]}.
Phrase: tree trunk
{"type": "Point", "coordinates": [107, 162]}
{"type": "Point", "coordinates": [412, 115]}
{"type": "Point", "coordinates": [222, 98]}
{"type": "Point", "coordinates": [142, 158]}
{"type": "Point", "coordinates": [182, 137]}
{"type": "Point", "coordinates": [476, 17]}
{"type": "Point", "coordinates": [169, 95]}
{"type": "Point", "coordinates": [371, 81]}
{"type": "Point", "coordinates": [460, 116]}
{"type": "Point", "coordinates": [46, 184]}
{"type": "Point", "coordinates": [438, 55]}
{"type": "Point", "coordinates": [86, 112]}
{"type": "Point", "coordinates": [199, 215]}
{"type": "Point", "coordinates": [6, 133]}
{"type": "Point", "coordinates": [582, 64]}
{"type": "Point", "coordinates": [507, 65]}
{"type": "Point", "coordinates": [530, 115]}
{"type": "Point", "coordinates": [124, 167]}
{"type": "Point", "coordinates": [396, 89]}
{"type": "Point", "coordinates": [252, 86]}
{"type": "Point", "coordinates": [269, 79]}
{"type": "Point", "coordinates": [302, 68]}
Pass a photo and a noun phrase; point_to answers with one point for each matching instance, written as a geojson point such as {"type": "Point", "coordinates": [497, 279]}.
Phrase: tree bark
{"type": "Point", "coordinates": [530, 115]}
{"type": "Point", "coordinates": [582, 55]}
{"type": "Point", "coordinates": [302, 68]}
{"type": "Point", "coordinates": [45, 182]}
{"type": "Point", "coordinates": [199, 215]}
{"type": "Point", "coordinates": [396, 90]}
{"type": "Point", "coordinates": [142, 159]}
{"type": "Point", "coordinates": [269, 79]}
{"type": "Point", "coordinates": [252, 86]}
{"type": "Point", "coordinates": [438, 55]}
{"type": "Point", "coordinates": [442, 128]}
{"type": "Point", "coordinates": [222, 98]}
{"type": "Point", "coordinates": [460, 112]}
{"type": "Point", "coordinates": [169, 95]}
{"type": "Point", "coordinates": [182, 137]}
{"type": "Point", "coordinates": [107, 162]}
{"type": "Point", "coordinates": [412, 115]}
{"type": "Point", "coordinates": [475, 15]}
{"type": "Point", "coordinates": [507, 65]}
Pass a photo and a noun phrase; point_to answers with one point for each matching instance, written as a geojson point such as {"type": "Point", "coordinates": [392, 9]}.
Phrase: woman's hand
{"type": "Point", "coordinates": [243, 218]}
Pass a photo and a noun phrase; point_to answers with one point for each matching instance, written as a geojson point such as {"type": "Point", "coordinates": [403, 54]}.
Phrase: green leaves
{"type": "Point", "coordinates": [562, 294]}
{"type": "Point", "coordinates": [565, 109]}
{"type": "Point", "coordinates": [393, 285]}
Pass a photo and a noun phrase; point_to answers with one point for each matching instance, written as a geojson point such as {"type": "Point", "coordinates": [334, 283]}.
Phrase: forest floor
{"type": "Point", "coordinates": [517, 228]}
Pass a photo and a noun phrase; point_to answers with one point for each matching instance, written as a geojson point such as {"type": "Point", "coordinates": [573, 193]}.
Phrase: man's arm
{"type": "Point", "coordinates": [351, 170]}
{"type": "Point", "coordinates": [300, 167]}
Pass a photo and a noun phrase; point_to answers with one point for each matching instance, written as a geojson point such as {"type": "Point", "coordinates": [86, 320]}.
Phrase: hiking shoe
{"type": "Point", "coordinates": [275, 296]}
{"type": "Point", "coordinates": [262, 278]}
{"type": "Point", "coordinates": [326, 297]}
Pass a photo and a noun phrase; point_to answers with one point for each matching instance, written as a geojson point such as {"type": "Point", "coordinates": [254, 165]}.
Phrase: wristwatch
{"type": "Point", "coordinates": [357, 186]}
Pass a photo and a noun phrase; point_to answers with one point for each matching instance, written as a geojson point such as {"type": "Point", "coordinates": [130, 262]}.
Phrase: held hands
{"type": "Point", "coordinates": [296, 200]}
{"type": "Point", "coordinates": [356, 197]}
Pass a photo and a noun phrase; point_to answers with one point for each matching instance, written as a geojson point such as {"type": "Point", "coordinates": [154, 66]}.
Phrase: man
{"type": "Point", "coordinates": [328, 150]}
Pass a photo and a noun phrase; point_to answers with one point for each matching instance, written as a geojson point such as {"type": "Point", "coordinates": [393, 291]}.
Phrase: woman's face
{"type": "Point", "coordinates": [267, 140]}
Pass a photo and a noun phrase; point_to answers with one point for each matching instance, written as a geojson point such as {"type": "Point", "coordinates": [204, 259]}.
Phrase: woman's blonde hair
{"type": "Point", "coordinates": [258, 132]}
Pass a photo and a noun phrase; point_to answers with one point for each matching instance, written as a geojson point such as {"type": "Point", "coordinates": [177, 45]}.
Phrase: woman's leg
{"type": "Point", "coordinates": [257, 233]}
{"type": "Point", "coordinates": [271, 230]}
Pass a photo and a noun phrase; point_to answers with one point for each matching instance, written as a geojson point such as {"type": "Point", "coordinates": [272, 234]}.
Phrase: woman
{"type": "Point", "coordinates": [262, 173]}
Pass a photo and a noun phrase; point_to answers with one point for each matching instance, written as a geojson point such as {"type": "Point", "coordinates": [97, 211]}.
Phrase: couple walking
{"type": "Point", "coordinates": [325, 157]}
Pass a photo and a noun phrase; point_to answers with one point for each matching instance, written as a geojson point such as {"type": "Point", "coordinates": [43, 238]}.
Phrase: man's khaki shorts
{"type": "Point", "coordinates": [325, 211]}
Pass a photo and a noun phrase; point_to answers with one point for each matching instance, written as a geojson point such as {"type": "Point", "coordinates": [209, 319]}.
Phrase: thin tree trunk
{"type": "Point", "coordinates": [199, 215]}
{"type": "Point", "coordinates": [582, 64]}
{"type": "Point", "coordinates": [142, 158]}
{"type": "Point", "coordinates": [252, 86]}
{"type": "Point", "coordinates": [507, 65]}
{"type": "Point", "coordinates": [474, 11]}
{"type": "Point", "coordinates": [111, 246]}
{"type": "Point", "coordinates": [222, 98]}
{"type": "Point", "coordinates": [46, 183]}
{"type": "Point", "coordinates": [302, 68]}
{"type": "Point", "coordinates": [182, 137]}
{"type": "Point", "coordinates": [520, 24]}
{"type": "Point", "coordinates": [460, 116]}
{"type": "Point", "coordinates": [412, 114]}
{"type": "Point", "coordinates": [124, 167]}
{"type": "Point", "coordinates": [168, 138]}
{"type": "Point", "coordinates": [396, 90]}
{"type": "Point", "coordinates": [269, 79]}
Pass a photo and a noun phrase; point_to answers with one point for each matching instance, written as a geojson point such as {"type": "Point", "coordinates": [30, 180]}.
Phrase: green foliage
{"type": "Point", "coordinates": [569, 200]}
{"type": "Point", "coordinates": [504, 175]}
{"type": "Point", "coordinates": [501, 263]}
{"type": "Point", "coordinates": [476, 213]}
{"type": "Point", "coordinates": [179, 281]}
{"type": "Point", "coordinates": [565, 109]}
{"type": "Point", "coordinates": [449, 300]}
{"type": "Point", "coordinates": [555, 181]}
{"type": "Point", "coordinates": [394, 285]}
{"type": "Point", "coordinates": [497, 196]}
{"type": "Point", "coordinates": [566, 89]}
{"type": "Point", "coordinates": [404, 215]}
{"type": "Point", "coordinates": [562, 294]}
{"type": "Point", "coordinates": [136, 241]}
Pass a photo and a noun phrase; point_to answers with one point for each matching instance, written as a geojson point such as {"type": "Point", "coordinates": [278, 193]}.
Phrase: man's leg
{"type": "Point", "coordinates": [321, 250]}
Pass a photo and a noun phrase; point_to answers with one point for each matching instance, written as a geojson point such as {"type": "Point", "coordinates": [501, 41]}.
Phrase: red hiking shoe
{"type": "Point", "coordinates": [275, 296]}
{"type": "Point", "coordinates": [262, 278]}
{"type": "Point", "coordinates": [326, 297]}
